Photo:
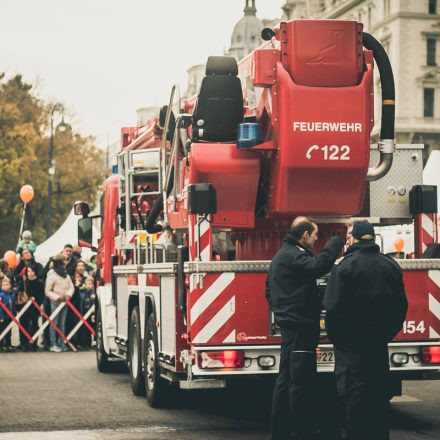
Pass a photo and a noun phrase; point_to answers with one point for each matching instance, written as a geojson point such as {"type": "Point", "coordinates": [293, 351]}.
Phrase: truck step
{"type": "Point", "coordinates": [201, 384]}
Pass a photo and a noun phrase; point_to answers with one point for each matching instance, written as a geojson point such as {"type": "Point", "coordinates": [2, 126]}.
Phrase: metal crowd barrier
{"type": "Point", "coordinates": [48, 321]}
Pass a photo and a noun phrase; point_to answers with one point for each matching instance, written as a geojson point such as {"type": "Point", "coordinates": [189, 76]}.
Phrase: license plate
{"type": "Point", "coordinates": [325, 356]}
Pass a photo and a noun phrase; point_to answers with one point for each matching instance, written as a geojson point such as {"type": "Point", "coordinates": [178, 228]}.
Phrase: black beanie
{"type": "Point", "coordinates": [363, 230]}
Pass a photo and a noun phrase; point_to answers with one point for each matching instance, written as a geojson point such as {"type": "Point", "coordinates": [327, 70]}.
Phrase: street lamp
{"type": "Point", "coordinates": [58, 107]}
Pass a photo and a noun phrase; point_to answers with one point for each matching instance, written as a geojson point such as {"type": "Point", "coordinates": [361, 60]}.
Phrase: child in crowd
{"type": "Point", "coordinates": [71, 319]}
{"type": "Point", "coordinates": [7, 296]}
{"type": "Point", "coordinates": [87, 299]}
{"type": "Point", "coordinates": [26, 242]}
{"type": "Point", "coordinates": [6, 272]}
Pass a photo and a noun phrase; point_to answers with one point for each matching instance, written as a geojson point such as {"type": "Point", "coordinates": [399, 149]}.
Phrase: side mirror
{"type": "Point", "coordinates": [81, 208]}
{"type": "Point", "coordinates": [85, 232]}
{"type": "Point", "coordinates": [267, 34]}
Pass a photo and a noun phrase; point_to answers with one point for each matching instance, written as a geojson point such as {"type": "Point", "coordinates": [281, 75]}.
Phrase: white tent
{"type": "Point", "coordinates": [67, 233]}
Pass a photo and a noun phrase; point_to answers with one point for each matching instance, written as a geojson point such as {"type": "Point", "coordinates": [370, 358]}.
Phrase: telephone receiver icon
{"type": "Point", "coordinates": [309, 151]}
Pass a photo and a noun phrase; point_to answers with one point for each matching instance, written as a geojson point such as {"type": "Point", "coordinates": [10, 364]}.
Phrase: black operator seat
{"type": "Point", "coordinates": [219, 106]}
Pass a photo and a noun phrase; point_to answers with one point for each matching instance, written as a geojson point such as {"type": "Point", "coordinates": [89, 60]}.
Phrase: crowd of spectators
{"type": "Point", "coordinates": [66, 277]}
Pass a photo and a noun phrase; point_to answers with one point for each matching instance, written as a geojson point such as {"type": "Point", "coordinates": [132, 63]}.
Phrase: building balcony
{"type": "Point", "coordinates": [423, 124]}
{"type": "Point", "coordinates": [411, 125]}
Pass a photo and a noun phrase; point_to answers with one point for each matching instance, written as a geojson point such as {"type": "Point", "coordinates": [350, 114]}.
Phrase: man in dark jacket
{"type": "Point", "coordinates": [293, 297]}
{"type": "Point", "coordinates": [366, 305]}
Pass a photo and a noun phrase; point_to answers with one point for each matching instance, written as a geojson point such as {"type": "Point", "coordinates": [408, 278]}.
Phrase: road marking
{"type": "Point", "coordinates": [96, 434]}
{"type": "Point", "coordinates": [404, 398]}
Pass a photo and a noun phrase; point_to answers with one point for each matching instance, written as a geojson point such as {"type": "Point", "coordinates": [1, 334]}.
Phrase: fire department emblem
{"type": "Point", "coordinates": [241, 336]}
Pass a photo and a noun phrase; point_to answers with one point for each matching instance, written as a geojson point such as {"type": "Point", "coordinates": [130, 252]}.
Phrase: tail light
{"type": "Point", "coordinates": [221, 359]}
{"type": "Point", "coordinates": [431, 355]}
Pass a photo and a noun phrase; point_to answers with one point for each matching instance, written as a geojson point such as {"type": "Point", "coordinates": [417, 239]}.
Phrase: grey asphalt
{"type": "Point", "coordinates": [62, 396]}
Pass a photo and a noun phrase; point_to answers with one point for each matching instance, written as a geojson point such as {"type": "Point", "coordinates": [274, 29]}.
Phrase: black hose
{"type": "Point", "coordinates": [150, 225]}
{"type": "Point", "coordinates": [387, 83]}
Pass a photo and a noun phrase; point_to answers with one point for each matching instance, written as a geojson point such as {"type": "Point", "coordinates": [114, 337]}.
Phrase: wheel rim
{"type": "Point", "coordinates": [135, 354]}
{"type": "Point", "coordinates": [150, 367]}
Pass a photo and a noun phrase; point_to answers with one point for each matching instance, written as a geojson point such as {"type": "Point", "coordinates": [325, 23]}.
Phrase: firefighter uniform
{"type": "Point", "coordinates": [366, 305]}
{"type": "Point", "coordinates": [293, 296]}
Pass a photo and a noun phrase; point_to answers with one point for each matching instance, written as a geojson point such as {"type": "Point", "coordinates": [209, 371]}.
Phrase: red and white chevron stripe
{"type": "Point", "coordinates": [434, 304]}
{"type": "Point", "coordinates": [429, 226]}
{"type": "Point", "coordinates": [200, 239]}
{"type": "Point", "coordinates": [211, 309]}
{"type": "Point", "coordinates": [425, 227]}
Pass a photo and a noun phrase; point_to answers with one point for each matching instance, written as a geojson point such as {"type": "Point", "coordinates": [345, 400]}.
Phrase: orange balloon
{"type": "Point", "coordinates": [26, 193]}
{"type": "Point", "coordinates": [399, 244]}
{"type": "Point", "coordinates": [11, 259]}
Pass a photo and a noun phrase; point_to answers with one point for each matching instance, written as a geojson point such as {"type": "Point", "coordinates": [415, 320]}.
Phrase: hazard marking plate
{"type": "Point", "coordinates": [325, 356]}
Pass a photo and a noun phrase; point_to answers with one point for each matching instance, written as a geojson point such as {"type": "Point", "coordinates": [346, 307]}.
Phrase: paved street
{"type": "Point", "coordinates": [62, 396]}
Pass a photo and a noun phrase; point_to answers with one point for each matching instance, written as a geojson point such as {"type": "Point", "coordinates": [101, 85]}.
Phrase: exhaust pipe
{"type": "Point", "coordinates": [386, 145]}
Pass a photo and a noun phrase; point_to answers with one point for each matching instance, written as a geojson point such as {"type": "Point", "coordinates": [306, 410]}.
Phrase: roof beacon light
{"type": "Point", "coordinates": [249, 135]}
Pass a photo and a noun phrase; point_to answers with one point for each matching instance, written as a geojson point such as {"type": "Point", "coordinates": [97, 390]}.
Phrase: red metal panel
{"type": "Point", "coordinates": [152, 279]}
{"type": "Point", "coordinates": [229, 309]}
{"type": "Point", "coordinates": [234, 174]}
{"type": "Point", "coordinates": [324, 147]}
{"type": "Point", "coordinates": [263, 67]}
{"type": "Point", "coordinates": [106, 246]}
{"type": "Point", "coordinates": [422, 322]}
{"type": "Point", "coordinates": [323, 53]}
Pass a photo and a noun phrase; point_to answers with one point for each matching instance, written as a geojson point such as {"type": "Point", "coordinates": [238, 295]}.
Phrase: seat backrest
{"type": "Point", "coordinates": [219, 106]}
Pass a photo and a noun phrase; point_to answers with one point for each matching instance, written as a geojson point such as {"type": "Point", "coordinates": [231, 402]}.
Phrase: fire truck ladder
{"type": "Point", "coordinates": [135, 164]}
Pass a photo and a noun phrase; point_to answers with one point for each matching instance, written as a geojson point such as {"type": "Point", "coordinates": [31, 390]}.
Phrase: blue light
{"type": "Point", "coordinates": [249, 135]}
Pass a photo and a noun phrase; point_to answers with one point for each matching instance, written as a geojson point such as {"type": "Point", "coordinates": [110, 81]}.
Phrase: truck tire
{"type": "Point", "coordinates": [157, 389]}
{"type": "Point", "coordinates": [135, 354]}
{"type": "Point", "coordinates": [102, 358]}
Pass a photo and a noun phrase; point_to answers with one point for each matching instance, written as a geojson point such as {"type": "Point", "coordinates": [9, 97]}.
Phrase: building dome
{"type": "Point", "coordinates": [247, 32]}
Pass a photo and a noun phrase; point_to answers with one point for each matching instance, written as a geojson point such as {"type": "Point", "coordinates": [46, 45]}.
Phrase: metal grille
{"type": "Point", "coordinates": [389, 196]}
{"type": "Point", "coordinates": [228, 266]}
{"type": "Point", "coordinates": [250, 266]}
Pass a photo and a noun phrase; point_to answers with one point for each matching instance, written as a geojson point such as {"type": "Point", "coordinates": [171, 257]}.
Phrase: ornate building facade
{"type": "Point", "coordinates": [410, 32]}
{"type": "Point", "coordinates": [246, 35]}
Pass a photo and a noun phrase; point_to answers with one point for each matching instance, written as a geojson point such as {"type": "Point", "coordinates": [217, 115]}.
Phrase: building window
{"type": "Point", "coordinates": [431, 51]}
{"type": "Point", "coordinates": [432, 6]}
{"type": "Point", "coordinates": [386, 8]}
{"type": "Point", "coordinates": [370, 14]}
{"type": "Point", "coordinates": [428, 103]}
{"type": "Point", "coordinates": [386, 44]}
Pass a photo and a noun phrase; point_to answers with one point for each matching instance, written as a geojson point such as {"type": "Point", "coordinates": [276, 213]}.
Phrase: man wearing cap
{"type": "Point", "coordinates": [366, 305]}
{"type": "Point", "coordinates": [293, 296]}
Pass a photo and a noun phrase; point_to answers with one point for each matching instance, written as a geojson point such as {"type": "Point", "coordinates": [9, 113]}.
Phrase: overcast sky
{"type": "Point", "coordinates": [103, 59]}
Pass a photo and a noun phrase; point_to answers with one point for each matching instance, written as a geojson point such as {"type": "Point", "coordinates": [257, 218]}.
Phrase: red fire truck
{"type": "Point", "coordinates": [286, 132]}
